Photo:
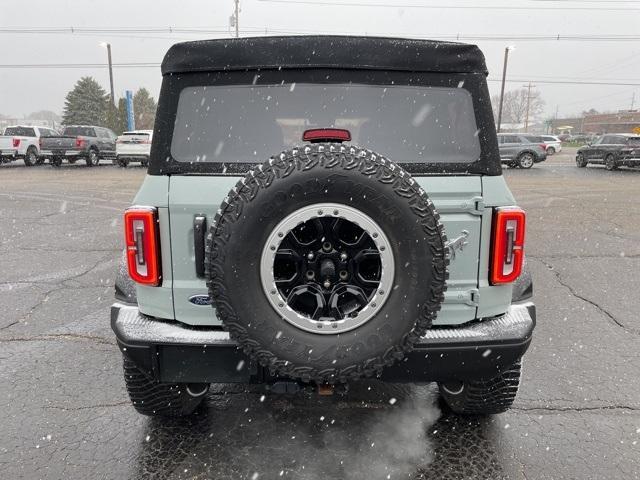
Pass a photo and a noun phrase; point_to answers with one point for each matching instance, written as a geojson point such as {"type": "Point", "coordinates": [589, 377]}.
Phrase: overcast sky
{"type": "Point", "coordinates": [24, 90]}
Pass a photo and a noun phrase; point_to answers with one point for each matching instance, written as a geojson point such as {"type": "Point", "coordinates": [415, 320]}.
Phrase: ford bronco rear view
{"type": "Point", "coordinates": [319, 210]}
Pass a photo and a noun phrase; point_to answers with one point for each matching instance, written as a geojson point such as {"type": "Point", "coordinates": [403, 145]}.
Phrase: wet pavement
{"type": "Point", "coordinates": [65, 413]}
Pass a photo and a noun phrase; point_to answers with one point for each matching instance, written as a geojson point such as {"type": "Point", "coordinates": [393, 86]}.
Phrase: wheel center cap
{"type": "Point", "coordinates": [328, 270]}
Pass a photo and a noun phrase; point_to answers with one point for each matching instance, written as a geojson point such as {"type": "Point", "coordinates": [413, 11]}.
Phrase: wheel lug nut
{"type": "Point", "coordinates": [343, 274]}
{"type": "Point", "coordinates": [326, 246]}
{"type": "Point", "coordinates": [327, 283]}
{"type": "Point", "coordinates": [310, 256]}
{"type": "Point", "coordinates": [310, 274]}
{"type": "Point", "coordinates": [343, 256]}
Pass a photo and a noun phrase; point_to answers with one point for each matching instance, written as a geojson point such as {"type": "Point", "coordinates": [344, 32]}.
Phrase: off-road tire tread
{"type": "Point", "coordinates": [325, 156]}
{"type": "Point", "coordinates": [492, 396]}
{"type": "Point", "coordinates": [152, 398]}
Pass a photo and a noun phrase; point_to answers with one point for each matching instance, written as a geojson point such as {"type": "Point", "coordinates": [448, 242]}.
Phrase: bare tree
{"type": "Point", "coordinates": [514, 108]}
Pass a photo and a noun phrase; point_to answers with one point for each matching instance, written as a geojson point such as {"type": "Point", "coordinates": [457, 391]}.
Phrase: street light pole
{"type": "Point", "coordinates": [108, 47]}
{"type": "Point", "coordinates": [237, 22]}
{"type": "Point", "coordinates": [504, 76]}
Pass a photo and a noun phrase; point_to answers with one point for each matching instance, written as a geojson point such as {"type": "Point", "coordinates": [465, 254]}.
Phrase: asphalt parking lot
{"type": "Point", "coordinates": [65, 413]}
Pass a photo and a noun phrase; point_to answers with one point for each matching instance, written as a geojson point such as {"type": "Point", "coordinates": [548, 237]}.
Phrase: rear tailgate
{"type": "Point", "coordinates": [58, 145]}
{"type": "Point", "coordinates": [457, 198]}
{"type": "Point", "coordinates": [6, 145]}
{"type": "Point", "coordinates": [133, 144]}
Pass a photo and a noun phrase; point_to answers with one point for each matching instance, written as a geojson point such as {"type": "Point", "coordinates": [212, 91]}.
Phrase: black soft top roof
{"type": "Point", "coordinates": [320, 51]}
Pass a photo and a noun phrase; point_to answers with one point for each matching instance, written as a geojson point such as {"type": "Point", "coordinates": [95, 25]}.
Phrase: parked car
{"type": "Point", "coordinates": [612, 151]}
{"type": "Point", "coordinates": [324, 261]}
{"type": "Point", "coordinates": [517, 151]}
{"type": "Point", "coordinates": [134, 146]}
{"type": "Point", "coordinates": [553, 143]}
{"type": "Point", "coordinates": [89, 143]}
{"type": "Point", "coordinates": [23, 142]}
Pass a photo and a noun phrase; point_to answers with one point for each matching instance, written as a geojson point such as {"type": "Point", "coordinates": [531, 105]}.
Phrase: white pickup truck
{"type": "Point", "coordinates": [134, 145]}
{"type": "Point", "coordinates": [23, 142]}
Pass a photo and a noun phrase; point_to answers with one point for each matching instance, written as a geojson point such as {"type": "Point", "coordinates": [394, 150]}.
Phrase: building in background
{"type": "Point", "coordinates": [623, 121]}
{"type": "Point", "coordinates": [6, 121]}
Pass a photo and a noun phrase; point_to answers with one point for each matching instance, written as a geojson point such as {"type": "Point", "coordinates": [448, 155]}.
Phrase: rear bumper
{"type": "Point", "coordinates": [9, 153]}
{"type": "Point", "coordinates": [174, 352]}
{"type": "Point", "coordinates": [63, 153]}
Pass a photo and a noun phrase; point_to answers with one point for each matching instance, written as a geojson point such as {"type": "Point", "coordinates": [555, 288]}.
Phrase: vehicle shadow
{"type": "Point", "coordinates": [374, 431]}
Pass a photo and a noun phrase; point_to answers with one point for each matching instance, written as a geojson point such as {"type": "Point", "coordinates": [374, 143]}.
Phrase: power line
{"type": "Point", "coordinates": [259, 30]}
{"type": "Point", "coordinates": [540, 80]}
{"type": "Point", "coordinates": [79, 65]}
{"type": "Point", "coordinates": [566, 82]}
{"type": "Point", "coordinates": [442, 7]}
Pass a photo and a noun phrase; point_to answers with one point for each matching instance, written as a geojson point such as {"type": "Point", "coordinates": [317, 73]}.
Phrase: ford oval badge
{"type": "Point", "coordinates": [200, 300]}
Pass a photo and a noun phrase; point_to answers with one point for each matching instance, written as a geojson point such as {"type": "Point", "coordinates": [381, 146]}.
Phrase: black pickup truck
{"type": "Point", "coordinates": [80, 142]}
{"type": "Point", "coordinates": [612, 150]}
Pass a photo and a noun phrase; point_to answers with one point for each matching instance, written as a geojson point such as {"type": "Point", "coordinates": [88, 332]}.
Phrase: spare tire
{"type": "Point", "coordinates": [326, 263]}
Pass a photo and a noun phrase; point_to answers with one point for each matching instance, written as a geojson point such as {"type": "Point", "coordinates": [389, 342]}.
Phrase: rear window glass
{"type": "Point", "coordinates": [248, 124]}
{"type": "Point", "coordinates": [20, 131]}
{"type": "Point", "coordinates": [635, 142]}
{"type": "Point", "coordinates": [82, 131]}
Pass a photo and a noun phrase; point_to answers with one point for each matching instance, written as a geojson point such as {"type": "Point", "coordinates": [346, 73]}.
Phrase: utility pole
{"type": "Point", "coordinates": [108, 47]}
{"type": "Point", "coordinates": [113, 98]}
{"type": "Point", "coordinates": [526, 120]}
{"type": "Point", "coordinates": [504, 76]}
{"type": "Point", "coordinates": [237, 18]}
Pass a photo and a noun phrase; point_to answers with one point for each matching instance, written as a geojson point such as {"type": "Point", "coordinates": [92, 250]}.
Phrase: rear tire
{"type": "Point", "coordinates": [31, 157]}
{"type": "Point", "coordinates": [610, 163]}
{"type": "Point", "coordinates": [486, 397]}
{"type": "Point", "coordinates": [526, 160]}
{"type": "Point", "coordinates": [161, 399]}
{"type": "Point", "coordinates": [93, 159]}
{"type": "Point", "coordinates": [56, 161]}
{"type": "Point", "coordinates": [121, 162]}
{"type": "Point", "coordinates": [581, 162]}
{"type": "Point", "coordinates": [551, 150]}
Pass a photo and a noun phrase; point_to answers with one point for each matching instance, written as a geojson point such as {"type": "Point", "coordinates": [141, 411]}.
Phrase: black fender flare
{"type": "Point", "coordinates": [125, 288]}
{"type": "Point", "coordinates": [523, 286]}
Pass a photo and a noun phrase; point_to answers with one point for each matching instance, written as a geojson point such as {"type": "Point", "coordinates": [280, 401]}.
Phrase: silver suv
{"type": "Point", "coordinates": [517, 150]}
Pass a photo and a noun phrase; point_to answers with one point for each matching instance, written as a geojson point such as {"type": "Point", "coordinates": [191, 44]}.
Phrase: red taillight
{"type": "Point", "coordinates": [507, 252]}
{"type": "Point", "coordinates": [544, 146]}
{"type": "Point", "coordinates": [80, 142]}
{"type": "Point", "coordinates": [16, 142]}
{"type": "Point", "coordinates": [143, 245]}
{"type": "Point", "coordinates": [326, 135]}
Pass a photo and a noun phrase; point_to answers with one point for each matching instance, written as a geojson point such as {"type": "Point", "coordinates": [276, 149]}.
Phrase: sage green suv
{"type": "Point", "coordinates": [321, 209]}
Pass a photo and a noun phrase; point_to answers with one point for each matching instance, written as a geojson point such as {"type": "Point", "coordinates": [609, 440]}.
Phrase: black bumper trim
{"type": "Point", "coordinates": [174, 352]}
